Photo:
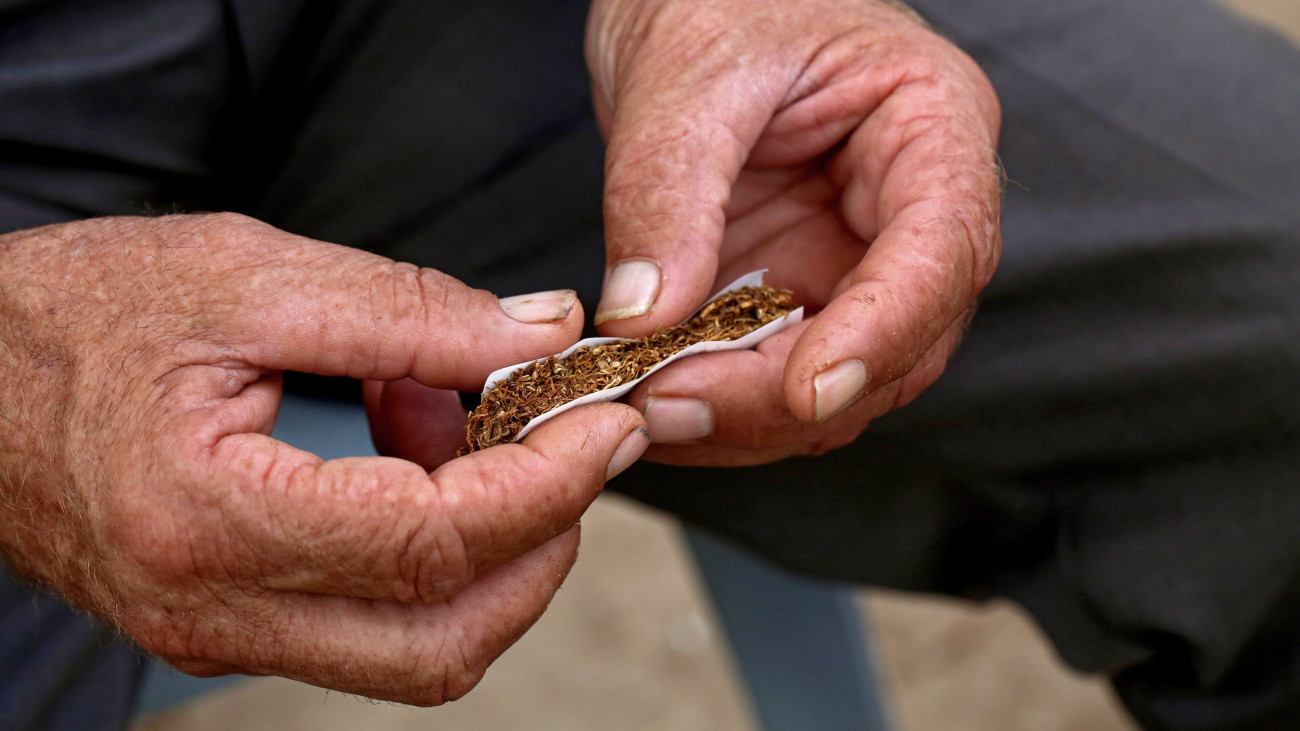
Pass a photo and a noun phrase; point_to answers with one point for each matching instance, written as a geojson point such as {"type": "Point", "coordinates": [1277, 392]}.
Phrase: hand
{"type": "Point", "coordinates": [838, 143]}
{"type": "Point", "coordinates": [140, 365]}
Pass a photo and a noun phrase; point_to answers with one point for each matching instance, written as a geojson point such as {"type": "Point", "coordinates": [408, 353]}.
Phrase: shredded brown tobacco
{"type": "Point", "coordinates": [545, 384]}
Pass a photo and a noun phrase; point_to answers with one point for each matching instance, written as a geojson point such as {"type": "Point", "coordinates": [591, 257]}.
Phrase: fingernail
{"type": "Point", "coordinates": [631, 291]}
{"type": "Point", "coordinates": [540, 306]}
{"type": "Point", "coordinates": [633, 446]}
{"type": "Point", "coordinates": [677, 419]}
{"type": "Point", "coordinates": [839, 386]}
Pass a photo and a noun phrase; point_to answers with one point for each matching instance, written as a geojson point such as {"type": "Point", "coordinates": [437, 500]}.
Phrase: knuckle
{"type": "Point", "coordinates": [943, 109]}
{"type": "Point", "coordinates": [627, 192]}
{"type": "Point", "coordinates": [395, 287]}
{"type": "Point", "coordinates": [433, 563]}
{"type": "Point", "coordinates": [413, 294]}
{"type": "Point", "coordinates": [981, 228]}
{"type": "Point", "coordinates": [231, 220]}
{"type": "Point", "coordinates": [423, 548]}
{"type": "Point", "coordinates": [710, 30]}
{"type": "Point", "coordinates": [959, 268]}
{"type": "Point", "coordinates": [643, 165]}
{"type": "Point", "coordinates": [228, 226]}
{"type": "Point", "coordinates": [969, 232]}
{"type": "Point", "coordinates": [920, 70]}
{"type": "Point", "coordinates": [436, 293]}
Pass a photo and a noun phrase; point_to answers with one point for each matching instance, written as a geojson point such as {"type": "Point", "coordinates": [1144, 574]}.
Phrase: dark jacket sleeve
{"type": "Point", "coordinates": [110, 108]}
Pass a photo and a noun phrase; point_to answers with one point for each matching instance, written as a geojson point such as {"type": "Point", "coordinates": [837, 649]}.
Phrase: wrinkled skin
{"type": "Point", "coordinates": [140, 364]}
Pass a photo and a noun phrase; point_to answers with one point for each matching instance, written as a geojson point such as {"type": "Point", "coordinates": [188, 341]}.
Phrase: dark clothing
{"type": "Point", "coordinates": [1117, 444]}
{"type": "Point", "coordinates": [60, 670]}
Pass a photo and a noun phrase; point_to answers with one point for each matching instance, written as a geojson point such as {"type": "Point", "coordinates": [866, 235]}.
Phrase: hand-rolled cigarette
{"type": "Point", "coordinates": [611, 367]}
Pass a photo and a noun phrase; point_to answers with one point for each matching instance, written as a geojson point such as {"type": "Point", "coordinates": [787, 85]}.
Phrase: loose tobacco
{"type": "Point", "coordinates": [552, 382]}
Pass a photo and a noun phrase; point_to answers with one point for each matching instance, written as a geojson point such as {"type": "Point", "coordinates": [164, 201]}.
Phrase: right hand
{"type": "Point", "coordinates": [838, 144]}
{"type": "Point", "coordinates": [140, 365]}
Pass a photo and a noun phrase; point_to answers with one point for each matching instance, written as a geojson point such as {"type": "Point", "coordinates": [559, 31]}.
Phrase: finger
{"type": "Point", "coordinates": [729, 398]}
{"type": "Point", "coordinates": [421, 655]}
{"type": "Point", "coordinates": [332, 310]}
{"type": "Point", "coordinates": [415, 422]}
{"type": "Point", "coordinates": [727, 409]}
{"type": "Point", "coordinates": [931, 184]}
{"type": "Point", "coordinates": [676, 144]}
{"type": "Point", "coordinates": [734, 401]}
{"type": "Point", "coordinates": [383, 528]}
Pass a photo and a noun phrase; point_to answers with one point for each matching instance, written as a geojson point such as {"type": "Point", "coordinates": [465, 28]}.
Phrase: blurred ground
{"type": "Point", "coordinates": [1284, 14]}
{"type": "Point", "coordinates": [629, 644]}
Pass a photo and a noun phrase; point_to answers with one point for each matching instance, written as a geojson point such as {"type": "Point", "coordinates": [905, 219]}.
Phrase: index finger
{"type": "Point", "coordinates": [312, 306]}
{"type": "Point", "coordinates": [923, 173]}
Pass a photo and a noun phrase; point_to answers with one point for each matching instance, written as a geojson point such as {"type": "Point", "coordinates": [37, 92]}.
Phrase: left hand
{"type": "Point", "coordinates": [838, 143]}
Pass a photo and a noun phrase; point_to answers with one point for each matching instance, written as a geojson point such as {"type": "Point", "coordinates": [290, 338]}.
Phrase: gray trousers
{"type": "Point", "coordinates": [1117, 444]}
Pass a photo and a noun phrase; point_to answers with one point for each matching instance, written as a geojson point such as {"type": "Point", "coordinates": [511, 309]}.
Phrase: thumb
{"type": "Point", "coordinates": [332, 310]}
{"type": "Point", "coordinates": [678, 138]}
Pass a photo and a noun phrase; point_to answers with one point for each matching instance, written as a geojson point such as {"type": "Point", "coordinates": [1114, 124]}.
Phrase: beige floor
{"type": "Point", "coordinates": [629, 644]}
